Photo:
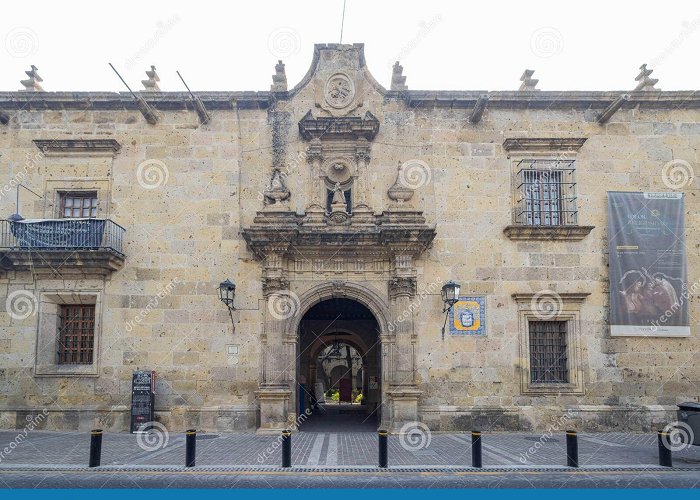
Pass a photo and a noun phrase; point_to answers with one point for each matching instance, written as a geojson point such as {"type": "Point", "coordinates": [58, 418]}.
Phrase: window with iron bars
{"type": "Point", "coordinates": [545, 193]}
{"type": "Point", "coordinates": [548, 352]}
{"type": "Point", "coordinates": [76, 335]}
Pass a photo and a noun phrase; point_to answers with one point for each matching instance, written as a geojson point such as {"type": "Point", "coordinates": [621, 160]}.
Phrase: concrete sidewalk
{"type": "Point", "coordinates": [327, 449]}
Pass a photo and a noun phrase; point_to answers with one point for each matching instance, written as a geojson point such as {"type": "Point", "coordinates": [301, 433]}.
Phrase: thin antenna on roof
{"type": "Point", "coordinates": [342, 23]}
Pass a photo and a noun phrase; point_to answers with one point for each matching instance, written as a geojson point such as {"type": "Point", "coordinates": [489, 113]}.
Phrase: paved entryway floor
{"type": "Point", "coordinates": [335, 449]}
{"type": "Point", "coordinates": [345, 417]}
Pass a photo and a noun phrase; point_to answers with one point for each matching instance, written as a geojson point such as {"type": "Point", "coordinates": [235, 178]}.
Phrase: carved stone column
{"type": "Point", "coordinates": [402, 290]}
{"type": "Point", "coordinates": [362, 212]}
{"type": "Point", "coordinates": [314, 157]}
{"type": "Point", "coordinates": [362, 157]}
{"type": "Point", "coordinates": [275, 391]}
{"type": "Point", "coordinates": [403, 392]}
{"type": "Point", "coordinates": [316, 208]}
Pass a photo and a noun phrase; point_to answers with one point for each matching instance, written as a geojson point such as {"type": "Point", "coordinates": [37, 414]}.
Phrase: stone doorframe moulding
{"type": "Point", "coordinates": [368, 297]}
{"type": "Point", "coordinates": [566, 307]}
{"type": "Point", "coordinates": [399, 398]}
{"type": "Point", "coordinates": [45, 360]}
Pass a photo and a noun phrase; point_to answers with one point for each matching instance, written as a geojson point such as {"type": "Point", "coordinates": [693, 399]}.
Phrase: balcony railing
{"type": "Point", "coordinates": [61, 234]}
{"type": "Point", "coordinates": [83, 243]}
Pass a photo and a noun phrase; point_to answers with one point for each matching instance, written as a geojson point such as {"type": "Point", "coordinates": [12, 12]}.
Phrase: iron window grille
{"type": "Point", "coordinates": [76, 335]}
{"type": "Point", "coordinates": [545, 193]}
{"type": "Point", "coordinates": [76, 205]}
{"type": "Point", "coordinates": [548, 352]}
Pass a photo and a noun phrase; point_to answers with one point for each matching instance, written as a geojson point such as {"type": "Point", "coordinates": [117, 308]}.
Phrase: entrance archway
{"type": "Point", "coordinates": [339, 367]}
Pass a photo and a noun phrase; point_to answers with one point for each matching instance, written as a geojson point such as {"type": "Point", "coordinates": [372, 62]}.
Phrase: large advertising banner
{"type": "Point", "coordinates": [648, 271]}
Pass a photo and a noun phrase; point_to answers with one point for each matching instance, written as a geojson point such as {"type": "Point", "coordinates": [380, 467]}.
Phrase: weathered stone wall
{"type": "Point", "coordinates": [184, 213]}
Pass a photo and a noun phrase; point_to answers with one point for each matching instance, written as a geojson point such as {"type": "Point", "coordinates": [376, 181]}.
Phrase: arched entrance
{"type": "Point", "coordinates": [339, 367]}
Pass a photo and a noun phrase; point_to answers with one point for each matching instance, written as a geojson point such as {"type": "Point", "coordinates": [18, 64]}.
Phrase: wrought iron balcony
{"type": "Point", "coordinates": [87, 245]}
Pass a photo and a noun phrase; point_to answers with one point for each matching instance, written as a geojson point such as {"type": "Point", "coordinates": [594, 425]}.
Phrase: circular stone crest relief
{"type": "Point", "coordinates": [339, 91]}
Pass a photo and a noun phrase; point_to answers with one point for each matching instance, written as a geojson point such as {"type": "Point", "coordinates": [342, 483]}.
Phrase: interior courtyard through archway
{"type": "Point", "coordinates": [338, 374]}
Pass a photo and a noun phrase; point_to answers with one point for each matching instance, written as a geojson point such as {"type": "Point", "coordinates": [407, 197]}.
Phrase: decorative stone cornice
{"type": "Point", "coordinates": [78, 147]}
{"type": "Point", "coordinates": [546, 233]}
{"type": "Point", "coordinates": [380, 236]}
{"type": "Point", "coordinates": [554, 144]}
{"type": "Point", "coordinates": [565, 297]}
{"type": "Point", "coordinates": [350, 127]}
{"type": "Point", "coordinates": [683, 99]}
{"type": "Point", "coordinates": [466, 99]}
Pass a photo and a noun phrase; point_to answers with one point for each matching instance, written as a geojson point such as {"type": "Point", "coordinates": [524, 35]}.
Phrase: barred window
{"type": "Point", "coordinates": [78, 205]}
{"type": "Point", "coordinates": [548, 352]}
{"type": "Point", "coordinates": [76, 335]}
{"type": "Point", "coordinates": [546, 193]}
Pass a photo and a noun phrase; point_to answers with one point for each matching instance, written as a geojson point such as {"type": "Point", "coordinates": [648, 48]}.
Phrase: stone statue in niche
{"type": "Point", "coordinates": [338, 196]}
{"type": "Point", "coordinates": [339, 209]}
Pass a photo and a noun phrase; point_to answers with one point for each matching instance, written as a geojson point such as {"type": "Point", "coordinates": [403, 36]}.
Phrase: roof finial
{"type": "Point", "coordinates": [398, 81]}
{"type": "Point", "coordinates": [279, 79]}
{"type": "Point", "coordinates": [31, 84]}
{"type": "Point", "coordinates": [529, 83]}
{"type": "Point", "coordinates": [645, 83]}
{"type": "Point", "coordinates": [151, 85]}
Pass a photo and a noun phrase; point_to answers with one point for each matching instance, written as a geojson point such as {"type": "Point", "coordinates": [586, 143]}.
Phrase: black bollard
{"type": "Point", "coordinates": [95, 447]}
{"type": "Point", "coordinates": [665, 458]}
{"type": "Point", "coordinates": [571, 449]}
{"type": "Point", "coordinates": [190, 447]}
{"type": "Point", "coordinates": [287, 448]}
{"type": "Point", "coordinates": [383, 449]}
{"type": "Point", "coordinates": [476, 449]}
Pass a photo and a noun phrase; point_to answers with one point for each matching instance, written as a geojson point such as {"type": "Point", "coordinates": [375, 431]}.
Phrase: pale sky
{"type": "Point", "coordinates": [218, 45]}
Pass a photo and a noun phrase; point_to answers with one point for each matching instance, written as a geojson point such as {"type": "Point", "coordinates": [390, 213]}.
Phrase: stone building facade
{"type": "Point", "coordinates": [337, 193]}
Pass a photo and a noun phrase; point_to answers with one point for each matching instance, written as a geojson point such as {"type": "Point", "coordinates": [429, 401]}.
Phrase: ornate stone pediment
{"type": "Point", "coordinates": [387, 233]}
{"type": "Point", "coordinates": [339, 78]}
{"type": "Point", "coordinates": [343, 127]}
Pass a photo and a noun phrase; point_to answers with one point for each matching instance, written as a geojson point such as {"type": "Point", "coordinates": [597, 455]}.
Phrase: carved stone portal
{"type": "Point", "coordinates": [289, 248]}
{"type": "Point", "coordinates": [341, 242]}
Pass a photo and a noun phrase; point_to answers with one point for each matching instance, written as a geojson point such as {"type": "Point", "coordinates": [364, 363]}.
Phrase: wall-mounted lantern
{"type": "Point", "coordinates": [227, 291]}
{"type": "Point", "coordinates": [450, 295]}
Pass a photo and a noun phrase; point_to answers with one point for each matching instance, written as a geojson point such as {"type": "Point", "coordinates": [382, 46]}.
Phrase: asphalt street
{"type": "Point", "coordinates": [321, 479]}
